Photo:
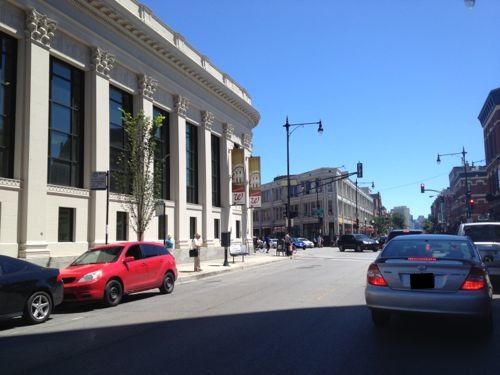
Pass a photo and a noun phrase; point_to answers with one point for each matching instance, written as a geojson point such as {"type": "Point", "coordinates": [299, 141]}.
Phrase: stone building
{"type": "Point", "coordinates": [67, 68]}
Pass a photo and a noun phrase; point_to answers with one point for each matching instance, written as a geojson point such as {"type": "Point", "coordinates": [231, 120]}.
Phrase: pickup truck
{"type": "Point", "coordinates": [486, 237]}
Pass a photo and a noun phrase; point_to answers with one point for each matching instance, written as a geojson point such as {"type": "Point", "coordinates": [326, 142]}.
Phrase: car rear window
{"type": "Point", "coordinates": [446, 249]}
{"type": "Point", "coordinates": [483, 233]}
{"type": "Point", "coordinates": [396, 233]}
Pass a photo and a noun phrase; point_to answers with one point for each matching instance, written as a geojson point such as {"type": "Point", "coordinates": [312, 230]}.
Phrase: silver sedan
{"type": "Point", "coordinates": [429, 273]}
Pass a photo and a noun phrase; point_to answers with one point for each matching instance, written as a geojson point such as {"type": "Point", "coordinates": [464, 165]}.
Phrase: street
{"type": "Point", "coordinates": [298, 316]}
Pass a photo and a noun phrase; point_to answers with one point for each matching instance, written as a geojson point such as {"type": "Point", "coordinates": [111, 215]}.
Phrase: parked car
{"type": "Point", "coordinates": [381, 241]}
{"type": "Point", "coordinates": [486, 237]}
{"type": "Point", "coordinates": [357, 242]}
{"type": "Point", "coordinates": [429, 274]}
{"type": "Point", "coordinates": [302, 243]}
{"type": "Point", "coordinates": [107, 272]}
{"type": "Point", "coordinates": [28, 290]}
{"type": "Point", "coordinates": [402, 232]}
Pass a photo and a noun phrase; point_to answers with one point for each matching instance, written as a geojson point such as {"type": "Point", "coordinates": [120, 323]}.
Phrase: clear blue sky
{"type": "Point", "coordinates": [395, 82]}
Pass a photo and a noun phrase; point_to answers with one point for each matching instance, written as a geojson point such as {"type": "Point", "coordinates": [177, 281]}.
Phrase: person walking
{"type": "Point", "coordinates": [268, 243]}
{"type": "Point", "coordinates": [288, 245]}
{"type": "Point", "coordinates": [196, 244]}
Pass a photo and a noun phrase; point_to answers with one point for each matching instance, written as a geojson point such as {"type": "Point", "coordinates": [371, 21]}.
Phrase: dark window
{"type": "Point", "coordinates": [215, 171]}
{"type": "Point", "coordinates": [8, 64]}
{"type": "Point", "coordinates": [121, 226]}
{"type": "Point", "coordinates": [191, 163]}
{"type": "Point", "coordinates": [118, 100]}
{"type": "Point", "coordinates": [65, 156]}
{"type": "Point", "coordinates": [162, 152]}
{"type": "Point", "coordinates": [162, 227]}
{"type": "Point", "coordinates": [192, 227]}
{"type": "Point", "coordinates": [149, 251]}
{"type": "Point", "coordinates": [238, 229]}
{"type": "Point", "coordinates": [66, 224]}
{"type": "Point", "coordinates": [216, 228]}
{"type": "Point", "coordinates": [134, 251]}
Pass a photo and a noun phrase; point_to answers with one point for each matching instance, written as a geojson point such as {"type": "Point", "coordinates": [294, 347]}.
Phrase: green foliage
{"type": "Point", "coordinates": [398, 220]}
{"type": "Point", "coordinates": [381, 224]}
{"type": "Point", "coordinates": [143, 174]}
{"type": "Point", "coordinates": [428, 226]}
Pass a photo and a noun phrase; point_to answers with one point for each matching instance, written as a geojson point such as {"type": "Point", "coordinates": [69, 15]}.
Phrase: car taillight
{"type": "Point", "coordinates": [374, 276]}
{"type": "Point", "coordinates": [476, 279]}
{"type": "Point", "coordinates": [59, 277]}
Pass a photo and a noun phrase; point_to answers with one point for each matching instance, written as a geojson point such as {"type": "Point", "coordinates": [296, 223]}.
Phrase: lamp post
{"type": "Point", "coordinates": [287, 126]}
{"type": "Point", "coordinates": [359, 183]}
{"type": "Point", "coordinates": [467, 191]}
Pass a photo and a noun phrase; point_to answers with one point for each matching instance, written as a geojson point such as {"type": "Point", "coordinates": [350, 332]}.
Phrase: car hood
{"type": "Point", "coordinates": [84, 269]}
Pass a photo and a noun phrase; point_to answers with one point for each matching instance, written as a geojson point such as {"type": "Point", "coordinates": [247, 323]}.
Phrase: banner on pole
{"type": "Point", "coordinates": [238, 176]}
{"type": "Point", "coordinates": [254, 172]}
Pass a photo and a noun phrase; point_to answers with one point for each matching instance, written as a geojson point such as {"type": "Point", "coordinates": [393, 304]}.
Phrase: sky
{"type": "Point", "coordinates": [394, 82]}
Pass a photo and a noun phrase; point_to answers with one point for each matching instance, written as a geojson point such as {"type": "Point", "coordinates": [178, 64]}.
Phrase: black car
{"type": "Point", "coordinates": [357, 241]}
{"type": "Point", "coordinates": [28, 290]}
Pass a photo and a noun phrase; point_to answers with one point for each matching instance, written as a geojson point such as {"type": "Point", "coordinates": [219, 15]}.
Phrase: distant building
{"type": "Point", "coordinates": [405, 212]}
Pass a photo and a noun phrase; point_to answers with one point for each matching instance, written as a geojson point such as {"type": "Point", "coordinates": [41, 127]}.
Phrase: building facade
{"type": "Point", "coordinates": [68, 69]}
{"type": "Point", "coordinates": [322, 201]}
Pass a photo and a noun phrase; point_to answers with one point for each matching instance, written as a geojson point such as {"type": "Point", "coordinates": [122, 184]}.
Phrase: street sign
{"type": "Point", "coordinates": [99, 181]}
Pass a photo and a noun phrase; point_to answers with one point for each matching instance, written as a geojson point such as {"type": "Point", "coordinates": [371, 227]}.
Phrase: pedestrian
{"type": "Point", "coordinates": [169, 243]}
{"type": "Point", "coordinates": [196, 245]}
{"type": "Point", "coordinates": [288, 245]}
{"type": "Point", "coordinates": [268, 243]}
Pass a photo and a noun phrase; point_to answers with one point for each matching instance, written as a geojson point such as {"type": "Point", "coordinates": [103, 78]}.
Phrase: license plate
{"type": "Point", "coordinates": [422, 280]}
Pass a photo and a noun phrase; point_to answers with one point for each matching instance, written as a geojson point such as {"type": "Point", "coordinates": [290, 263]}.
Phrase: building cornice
{"type": "Point", "coordinates": [139, 22]}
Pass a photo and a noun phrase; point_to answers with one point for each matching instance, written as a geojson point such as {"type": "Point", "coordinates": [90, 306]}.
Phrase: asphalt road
{"type": "Point", "coordinates": [299, 316]}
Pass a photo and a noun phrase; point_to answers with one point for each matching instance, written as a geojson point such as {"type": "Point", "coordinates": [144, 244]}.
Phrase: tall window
{"type": "Point", "coordinates": [121, 226]}
{"type": "Point", "coordinates": [65, 125]}
{"type": "Point", "coordinates": [192, 227]}
{"type": "Point", "coordinates": [65, 227]}
{"type": "Point", "coordinates": [162, 226]}
{"type": "Point", "coordinates": [216, 228]}
{"type": "Point", "coordinates": [118, 100]}
{"type": "Point", "coordinates": [215, 171]}
{"type": "Point", "coordinates": [162, 154]}
{"type": "Point", "coordinates": [238, 229]}
{"type": "Point", "coordinates": [192, 163]}
{"type": "Point", "coordinates": [8, 63]}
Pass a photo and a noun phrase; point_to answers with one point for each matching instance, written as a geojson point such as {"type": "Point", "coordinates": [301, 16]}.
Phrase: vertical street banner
{"type": "Point", "coordinates": [238, 176]}
{"type": "Point", "coordinates": [254, 172]}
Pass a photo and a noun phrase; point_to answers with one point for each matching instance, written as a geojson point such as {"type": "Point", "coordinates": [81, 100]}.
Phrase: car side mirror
{"type": "Point", "coordinates": [128, 259]}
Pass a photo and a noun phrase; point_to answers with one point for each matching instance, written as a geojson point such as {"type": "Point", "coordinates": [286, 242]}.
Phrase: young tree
{"type": "Point", "coordinates": [143, 172]}
{"type": "Point", "coordinates": [398, 220]}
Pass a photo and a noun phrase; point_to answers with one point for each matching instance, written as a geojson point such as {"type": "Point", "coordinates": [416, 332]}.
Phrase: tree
{"type": "Point", "coordinates": [381, 224]}
{"type": "Point", "coordinates": [143, 172]}
{"type": "Point", "coordinates": [398, 220]}
{"type": "Point", "coordinates": [428, 226]}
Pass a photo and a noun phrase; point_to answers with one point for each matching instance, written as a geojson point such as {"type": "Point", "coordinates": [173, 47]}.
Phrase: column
{"type": "Point", "coordinates": [98, 94]}
{"type": "Point", "coordinates": [178, 168]}
{"type": "Point", "coordinates": [226, 194]}
{"type": "Point", "coordinates": [33, 211]}
{"type": "Point", "coordinates": [246, 218]}
{"type": "Point", "coordinates": [205, 163]}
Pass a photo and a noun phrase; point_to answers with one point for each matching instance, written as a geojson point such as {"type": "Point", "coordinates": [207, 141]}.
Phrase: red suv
{"type": "Point", "coordinates": [108, 272]}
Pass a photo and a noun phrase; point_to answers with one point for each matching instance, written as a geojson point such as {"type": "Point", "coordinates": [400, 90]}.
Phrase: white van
{"type": "Point", "coordinates": [486, 237]}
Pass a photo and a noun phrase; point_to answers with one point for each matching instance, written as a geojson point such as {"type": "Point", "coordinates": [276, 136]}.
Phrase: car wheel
{"type": "Point", "coordinates": [341, 248]}
{"type": "Point", "coordinates": [167, 286]}
{"type": "Point", "coordinates": [113, 293]}
{"type": "Point", "coordinates": [38, 308]}
{"type": "Point", "coordinates": [375, 250]}
{"type": "Point", "coordinates": [305, 247]}
{"type": "Point", "coordinates": [358, 248]}
{"type": "Point", "coordinates": [380, 318]}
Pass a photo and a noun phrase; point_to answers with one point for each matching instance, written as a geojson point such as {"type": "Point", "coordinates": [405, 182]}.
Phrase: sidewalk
{"type": "Point", "coordinates": [216, 266]}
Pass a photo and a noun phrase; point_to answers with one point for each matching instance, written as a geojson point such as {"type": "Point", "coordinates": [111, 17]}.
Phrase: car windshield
{"type": "Point", "coordinates": [99, 255]}
{"type": "Point", "coordinates": [483, 233]}
{"type": "Point", "coordinates": [363, 237]}
{"type": "Point", "coordinates": [429, 248]}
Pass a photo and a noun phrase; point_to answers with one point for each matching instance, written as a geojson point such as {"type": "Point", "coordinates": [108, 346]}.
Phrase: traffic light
{"type": "Point", "coordinates": [471, 201]}
{"type": "Point", "coordinates": [422, 188]}
{"type": "Point", "coordinates": [359, 170]}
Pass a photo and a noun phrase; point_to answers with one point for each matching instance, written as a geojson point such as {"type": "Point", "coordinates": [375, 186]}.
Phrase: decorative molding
{"type": "Point", "coordinates": [228, 131]}
{"type": "Point", "coordinates": [207, 119]}
{"type": "Point", "coordinates": [181, 104]}
{"type": "Point", "coordinates": [39, 28]}
{"type": "Point", "coordinates": [147, 86]}
{"type": "Point", "coordinates": [68, 191]}
{"type": "Point", "coordinates": [102, 62]}
{"type": "Point", "coordinates": [247, 140]}
{"type": "Point", "coordinates": [10, 183]}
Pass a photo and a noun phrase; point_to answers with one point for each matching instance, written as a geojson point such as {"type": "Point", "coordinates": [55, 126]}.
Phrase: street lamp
{"type": "Point", "coordinates": [467, 191]}
{"type": "Point", "coordinates": [287, 126]}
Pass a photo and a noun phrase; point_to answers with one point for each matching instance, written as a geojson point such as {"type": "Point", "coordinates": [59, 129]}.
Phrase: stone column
{"type": "Point", "coordinates": [33, 237]}
{"type": "Point", "coordinates": [226, 194]}
{"type": "Point", "coordinates": [246, 218]}
{"type": "Point", "coordinates": [178, 168]}
{"type": "Point", "coordinates": [205, 163]}
{"type": "Point", "coordinates": [98, 94]}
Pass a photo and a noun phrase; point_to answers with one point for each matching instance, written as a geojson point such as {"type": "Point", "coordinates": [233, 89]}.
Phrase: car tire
{"type": "Point", "coordinates": [380, 318]}
{"type": "Point", "coordinates": [38, 308]}
{"type": "Point", "coordinates": [341, 248]}
{"type": "Point", "coordinates": [113, 293]}
{"type": "Point", "coordinates": [167, 286]}
{"type": "Point", "coordinates": [374, 250]}
{"type": "Point", "coordinates": [358, 248]}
